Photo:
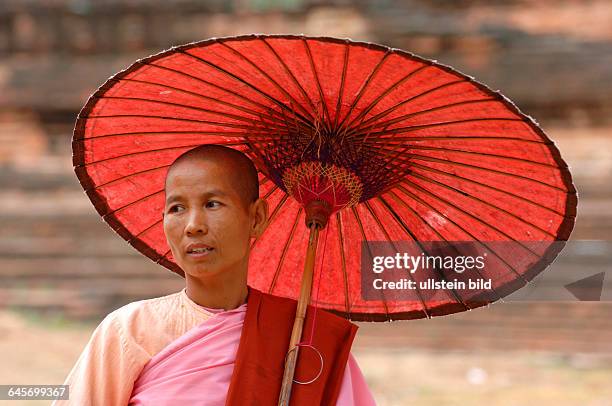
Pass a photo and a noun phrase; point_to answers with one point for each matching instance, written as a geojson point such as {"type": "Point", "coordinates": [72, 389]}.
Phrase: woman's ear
{"type": "Point", "coordinates": [259, 211]}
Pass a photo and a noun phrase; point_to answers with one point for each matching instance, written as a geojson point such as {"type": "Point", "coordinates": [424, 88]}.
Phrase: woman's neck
{"type": "Point", "coordinates": [213, 295]}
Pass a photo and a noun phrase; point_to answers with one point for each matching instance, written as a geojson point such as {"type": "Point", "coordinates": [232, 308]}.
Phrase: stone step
{"type": "Point", "coordinates": [84, 268]}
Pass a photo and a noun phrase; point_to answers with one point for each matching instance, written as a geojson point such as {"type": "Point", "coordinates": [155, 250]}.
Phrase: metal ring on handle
{"type": "Point", "coordinates": [320, 357]}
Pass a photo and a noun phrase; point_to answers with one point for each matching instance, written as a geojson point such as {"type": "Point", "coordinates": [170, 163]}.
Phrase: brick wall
{"type": "Point", "coordinates": [551, 57]}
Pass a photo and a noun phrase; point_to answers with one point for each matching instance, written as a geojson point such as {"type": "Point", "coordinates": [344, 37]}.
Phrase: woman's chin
{"type": "Point", "coordinates": [201, 271]}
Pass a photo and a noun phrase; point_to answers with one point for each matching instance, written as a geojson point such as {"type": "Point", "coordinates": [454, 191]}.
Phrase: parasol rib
{"type": "Point", "coordinates": [461, 228]}
{"type": "Point", "coordinates": [196, 94]}
{"type": "Point", "coordinates": [262, 106]}
{"type": "Point", "coordinates": [252, 122]}
{"type": "Point", "coordinates": [275, 83]}
{"type": "Point", "coordinates": [191, 120]}
{"type": "Point", "coordinates": [342, 82]}
{"type": "Point", "coordinates": [134, 174]}
{"type": "Point", "coordinates": [285, 249]}
{"type": "Point", "coordinates": [364, 86]}
{"type": "Point", "coordinates": [373, 104]}
{"type": "Point", "coordinates": [399, 220]}
{"type": "Point", "coordinates": [147, 133]}
{"type": "Point", "coordinates": [450, 162]}
{"type": "Point", "coordinates": [289, 73]}
{"type": "Point", "coordinates": [388, 238]}
{"type": "Point", "coordinates": [365, 238]}
{"type": "Point", "coordinates": [137, 235]}
{"type": "Point", "coordinates": [440, 236]}
{"type": "Point", "coordinates": [343, 261]}
{"type": "Point", "coordinates": [409, 128]}
{"type": "Point", "coordinates": [239, 79]}
{"type": "Point", "coordinates": [459, 151]}
{"type": "Point", "coordinates": [476, 218]}
{"type": "Point", "coordinates": [401, 140]}
{"type": "Point", "coordinates": [110, 213]}
{"type": "Point", "coordinates": [406, 101]}
{"type": "Point", "coordinates": [316, 77]}
{"type": "Point", "coordinates": [472, 197]}
{"type": "Point", "coordinates": [154, 150]}
{"type": "Point", "coordinates": [428, 169]}
{"type": "Point", "coordinates": [159, 149]}
{"type": "Point", "coordinates": [420, 112]}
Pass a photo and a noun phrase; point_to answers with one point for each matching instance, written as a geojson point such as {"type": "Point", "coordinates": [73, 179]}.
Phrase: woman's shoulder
{"type": "Point", "coordinates": [141, 307]}
{"type": "Point", "coordinates": [142, 313]}
{"type": "Point", "coordinates": [143, 325]}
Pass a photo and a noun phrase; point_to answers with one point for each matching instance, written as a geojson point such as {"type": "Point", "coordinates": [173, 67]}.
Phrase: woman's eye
{"type": "Point", "coordinates": [213, 203]}
{"type": "Point", "coordinates": [173, 209]}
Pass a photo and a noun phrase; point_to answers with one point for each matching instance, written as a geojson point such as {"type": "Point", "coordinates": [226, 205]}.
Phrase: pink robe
{"type": "Point", "coordinates": [196, 368]}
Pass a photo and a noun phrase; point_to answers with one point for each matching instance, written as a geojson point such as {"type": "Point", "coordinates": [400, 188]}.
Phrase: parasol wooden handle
{"type": "Point", "coordinates": [300, 314]}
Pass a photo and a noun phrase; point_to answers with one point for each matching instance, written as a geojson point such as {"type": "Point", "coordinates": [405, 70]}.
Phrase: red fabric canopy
{"type": "Point", "coordinates": [430, 155]}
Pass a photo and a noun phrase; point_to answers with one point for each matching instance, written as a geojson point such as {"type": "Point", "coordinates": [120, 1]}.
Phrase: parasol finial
{"type": "Point", "coordinates": [317, 213]}
{"type": "Point", "coordinates": [322, 189]}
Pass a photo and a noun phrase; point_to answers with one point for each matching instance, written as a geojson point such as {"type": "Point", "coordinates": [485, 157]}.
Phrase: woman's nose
{"type": "Point", "coordinates": [196, 224]}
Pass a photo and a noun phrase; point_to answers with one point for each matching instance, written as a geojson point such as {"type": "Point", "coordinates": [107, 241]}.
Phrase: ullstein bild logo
{"type": "Point", "coordinates": [485, 271]}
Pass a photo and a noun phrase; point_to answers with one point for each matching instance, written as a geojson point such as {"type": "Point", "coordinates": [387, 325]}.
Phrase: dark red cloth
{"type": "Point", "coordinates": [259, 365]}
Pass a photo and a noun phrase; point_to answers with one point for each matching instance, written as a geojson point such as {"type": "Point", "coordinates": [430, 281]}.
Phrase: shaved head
{"type": "Point", "coordinates": [240, 168]}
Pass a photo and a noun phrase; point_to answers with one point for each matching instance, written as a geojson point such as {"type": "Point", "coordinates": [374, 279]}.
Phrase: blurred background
{"type": "Point", "coordinates": [62, 269]}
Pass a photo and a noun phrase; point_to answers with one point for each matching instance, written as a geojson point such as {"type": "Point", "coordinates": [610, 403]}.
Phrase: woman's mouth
{"type": "Point", "coordinates": [200, 252]}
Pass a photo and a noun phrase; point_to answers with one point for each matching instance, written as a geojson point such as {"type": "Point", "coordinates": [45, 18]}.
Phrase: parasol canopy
{"type": "Point", "coordinates": [397, 147]}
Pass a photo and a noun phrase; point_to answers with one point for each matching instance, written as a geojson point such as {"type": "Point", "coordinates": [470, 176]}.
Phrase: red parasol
{"type": "Point", "coordinates": [378, 143]}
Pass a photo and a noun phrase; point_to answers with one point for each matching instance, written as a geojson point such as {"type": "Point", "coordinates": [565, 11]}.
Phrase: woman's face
{"type": "Point", "coordinates": [203, 206]}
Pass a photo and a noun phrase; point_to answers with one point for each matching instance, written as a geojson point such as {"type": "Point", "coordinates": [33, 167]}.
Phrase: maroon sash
{"type": "Point", "coordinates": [264, 341]}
